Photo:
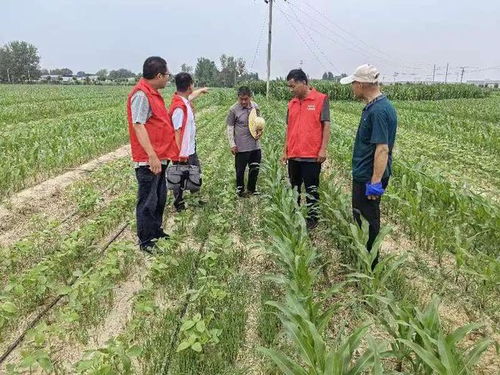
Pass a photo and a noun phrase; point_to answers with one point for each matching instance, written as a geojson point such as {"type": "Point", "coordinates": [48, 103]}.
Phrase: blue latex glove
{"type": "Point", "coordinates": [374, 189]}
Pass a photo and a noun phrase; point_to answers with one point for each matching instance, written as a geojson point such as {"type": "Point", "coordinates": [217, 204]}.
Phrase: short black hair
{"type": "Point", "coordinates": [297, 75]}
{"type": "Point", "coordinates": [244, 91]}
{"type": "Point", "coordinates": [183, 81]}
{"type": "Point", "coordinates": [153, 66]}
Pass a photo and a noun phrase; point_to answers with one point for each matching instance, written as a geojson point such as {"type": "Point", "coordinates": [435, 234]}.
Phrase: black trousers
{"type": "Point", "coordinates": [307, 173]}
{"type": "Point", "coordinates": [179, 203]}
{"type": "Point", "coordinates": [151, 200]}
{"type": "Point", "coordinates": [369, 209]}
{"type": "Point", "coordinates": [252, 159]}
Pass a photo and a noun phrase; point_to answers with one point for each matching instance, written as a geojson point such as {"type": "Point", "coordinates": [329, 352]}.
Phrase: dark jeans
{"type": "Point", "coordinates": [307, 173]}
{"type": "Point", "coordinates": [151, 200]}
{"type": "Point", "coordinates": [252, 159]}
{"type": "Point", "coordinates": [369, 209]}
{"type": "Point", "coordinates": [179, 203]}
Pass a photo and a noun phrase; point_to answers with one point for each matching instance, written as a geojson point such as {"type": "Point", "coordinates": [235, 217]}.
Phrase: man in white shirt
{"type": "Point", "coordinates": [184, 123]}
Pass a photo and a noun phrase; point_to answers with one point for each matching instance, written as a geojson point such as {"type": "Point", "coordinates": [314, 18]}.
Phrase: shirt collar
{"type": "Point", "coordinates": [373, 101]}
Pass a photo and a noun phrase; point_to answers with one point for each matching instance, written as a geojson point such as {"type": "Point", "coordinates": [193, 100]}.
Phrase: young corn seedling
{"type": "Point", "coordinates": [372, 278]}
{"type": "Point", "coordinates": [437, 352]}
{"type": "Point", "coordinates": [316, 358]}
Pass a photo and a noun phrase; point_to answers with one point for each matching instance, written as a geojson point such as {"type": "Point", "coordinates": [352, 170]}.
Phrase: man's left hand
{"type": "Point", "coordinates": [374, 190]}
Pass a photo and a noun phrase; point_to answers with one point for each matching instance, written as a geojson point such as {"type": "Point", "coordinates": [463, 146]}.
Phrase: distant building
{"type": "Point", "coordinates": [50, 77]}
{"type": "Point", "coordinates": [492, 84]}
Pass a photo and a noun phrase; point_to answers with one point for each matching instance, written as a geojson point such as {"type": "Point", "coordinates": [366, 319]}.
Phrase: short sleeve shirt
{"type": "Point", "coordinates": [325, 116]}
{"type": "Point", "coordinates": [140, 108]}
{"type": "Point", "coordinates": [238, 118]}
{"type": "Point", "coordinates": [378, 125]}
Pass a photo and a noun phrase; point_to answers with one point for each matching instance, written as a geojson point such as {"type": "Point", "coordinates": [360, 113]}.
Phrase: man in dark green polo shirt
{"type": "Point", "coordinates": [372, 154]}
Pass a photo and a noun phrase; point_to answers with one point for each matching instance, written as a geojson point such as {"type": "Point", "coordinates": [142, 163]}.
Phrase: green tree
{"type": "Point", "coordinates": [121, 74]}
{"type": "Point", "coordinates": [19, 61]}
{"type": "Point", "coordinates": [102, 74]}
{"type": "Point", "coordinates": [206, 72]}
{"type": "Point", "coordinates": [66, 72]}
{"type": "Point", "coordinates": [186, 68]}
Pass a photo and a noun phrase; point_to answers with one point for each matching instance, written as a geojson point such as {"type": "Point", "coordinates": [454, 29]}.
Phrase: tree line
{"type": "Point", "coordinates": [20, 63]}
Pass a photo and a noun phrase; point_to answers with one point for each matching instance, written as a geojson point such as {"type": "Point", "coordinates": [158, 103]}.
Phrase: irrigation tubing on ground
{"type": "Point", "coordinates": [56, 300]}
{"type": "Point", "coordinates": [168, 358]}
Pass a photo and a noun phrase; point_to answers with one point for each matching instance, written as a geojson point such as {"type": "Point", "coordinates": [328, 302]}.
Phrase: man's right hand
{"type": "Point", "coordinates": [154, 164]}
{"type": "Point", "coordinates": [234, 150]}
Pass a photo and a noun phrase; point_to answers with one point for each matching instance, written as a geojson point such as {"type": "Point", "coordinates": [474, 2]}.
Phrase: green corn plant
{"type": "Point", "coordinates": [437, 352]}
{"type": "Point", "coordinates": [396, 320]}
{"type": "Point", "coordinates": [372, 279]}
{"type": "Point", "coordinates": [316, 358]}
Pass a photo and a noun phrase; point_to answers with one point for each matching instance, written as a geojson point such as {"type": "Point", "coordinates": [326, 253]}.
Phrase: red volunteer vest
{"type": "Point", "coordinates": [305, 130]}
{"type": "Point", "coordinates": [177, 102]}
{"type": "Point", "coordinates": [159, 126]}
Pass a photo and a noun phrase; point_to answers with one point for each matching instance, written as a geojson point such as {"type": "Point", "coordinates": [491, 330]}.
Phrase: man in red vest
{"type": "Point", "coordinates": [307, 136]}
{"type": "Point", "coordinates": [184, 122]}
{"type": "Point", "coordinates": [153, 144]}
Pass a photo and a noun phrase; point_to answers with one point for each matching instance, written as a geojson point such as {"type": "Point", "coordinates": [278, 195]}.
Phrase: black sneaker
{"type": "Point", "coordinates": [180, 208]}
{"type": "Point", "coordinates": [163, 235]}
{"type": "Point", "coordinates": [148, 249]}
{"type": "Point", "coordinates": [311, 224]}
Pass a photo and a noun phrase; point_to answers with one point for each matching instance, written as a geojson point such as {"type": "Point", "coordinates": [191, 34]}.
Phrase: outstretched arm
{"type": "Point", "coordinates": [196, 93]}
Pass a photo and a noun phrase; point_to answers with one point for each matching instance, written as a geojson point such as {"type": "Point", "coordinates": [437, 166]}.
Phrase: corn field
{"type": "Point", "coordinates": [241, 287]}
{"type": "Point", "coordinates": [336, 91]}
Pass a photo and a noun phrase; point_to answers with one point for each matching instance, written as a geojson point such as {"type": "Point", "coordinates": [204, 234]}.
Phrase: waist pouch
{"type": "Point", "coordinates": [183, 176]}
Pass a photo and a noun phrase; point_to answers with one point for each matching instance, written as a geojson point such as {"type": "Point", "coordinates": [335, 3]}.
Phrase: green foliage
{"type": "Point", "coordinates": [336, 91]}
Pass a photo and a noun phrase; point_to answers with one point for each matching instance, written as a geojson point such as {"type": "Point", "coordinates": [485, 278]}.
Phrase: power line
{"type": "Point", "coordinates": [327, 59]}
{"type": "Point", "coordinates": [361, 49]}
{"type": "Point", "coordinates": [302, 38]}
{"type": "Point", "coordinates": [258, 43]}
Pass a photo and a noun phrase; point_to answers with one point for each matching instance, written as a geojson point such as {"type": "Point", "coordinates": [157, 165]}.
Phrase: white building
{"type": "Point", "coordinates": [493, 84]}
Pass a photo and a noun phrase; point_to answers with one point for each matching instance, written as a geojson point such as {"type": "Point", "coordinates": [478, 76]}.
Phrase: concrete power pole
{"type": "Point", "coordinates": [446, 74]}
{"type": "Point", "coordinates": [434, 73]}
{"type": "Point", "coordinates": [270, 2]}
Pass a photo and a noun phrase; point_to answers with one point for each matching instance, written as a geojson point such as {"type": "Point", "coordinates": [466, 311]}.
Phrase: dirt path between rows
{"type": "Point", "coordinates": [46, 197]}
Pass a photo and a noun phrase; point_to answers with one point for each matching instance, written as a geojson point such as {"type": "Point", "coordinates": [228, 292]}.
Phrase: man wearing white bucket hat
{"type": "Point", "coordinates": [372, 154]}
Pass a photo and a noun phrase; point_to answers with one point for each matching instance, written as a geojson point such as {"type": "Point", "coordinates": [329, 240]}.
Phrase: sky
{"type": "Point", "coordinates": [403, 39]}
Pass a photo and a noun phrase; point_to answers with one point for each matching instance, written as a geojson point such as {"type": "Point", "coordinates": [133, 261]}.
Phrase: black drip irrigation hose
{"type": "Point", "coordinates": [54, 302]}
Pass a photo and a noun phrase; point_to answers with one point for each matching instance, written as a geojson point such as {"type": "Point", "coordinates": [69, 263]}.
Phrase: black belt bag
{"type": "Point", "coordinates": [184, 177]}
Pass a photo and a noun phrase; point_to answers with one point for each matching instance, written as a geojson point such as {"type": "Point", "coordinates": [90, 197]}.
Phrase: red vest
{"type": "Point", "coordinates": [305, 130]}
{"type": "Point", "coordinates": [159, 126]}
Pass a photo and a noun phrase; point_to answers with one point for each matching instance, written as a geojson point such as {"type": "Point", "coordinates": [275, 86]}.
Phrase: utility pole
{"type": "Point", "coordinates": [446, 74]}
{"type": "Point", "coordinates": [462, 75]}
{"type": "Point", "coordinates": [270, 2]}
{"type": "Point", "coordinates": [8, 75]}
{"type": "Point", "coordinates": [434, 74]}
